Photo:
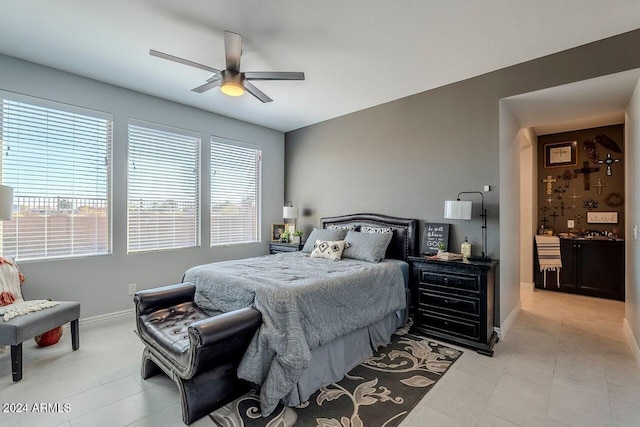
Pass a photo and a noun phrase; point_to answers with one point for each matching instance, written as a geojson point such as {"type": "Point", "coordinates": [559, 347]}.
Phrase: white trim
{"type": "Point", "coordinates": [529, 287]}
{"type": "Point", "coordinates": [108, 316]}
{"type": "Point", "coordinates": [631, 340]}
{"type": "Point", "coordinates": [504, 328]}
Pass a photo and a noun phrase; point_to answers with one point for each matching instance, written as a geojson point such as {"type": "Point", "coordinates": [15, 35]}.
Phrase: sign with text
{"type": "Point", "coordinates": [433, 234]}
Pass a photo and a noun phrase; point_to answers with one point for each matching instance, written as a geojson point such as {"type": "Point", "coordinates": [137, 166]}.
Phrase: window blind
{"type": "Point", "coordinates": [57, 158]}
{"type": "Point", "coordinates": [235, 193]}
{"type": "Point", "coordinates": [163, 193]}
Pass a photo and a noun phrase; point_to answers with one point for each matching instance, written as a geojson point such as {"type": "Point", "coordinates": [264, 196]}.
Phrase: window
{"type": "Point", "coordinates": [57, 158]}
{"type": "Point", "coordinates": [163, 195]}
{"type": "Point", "coordinates": [235, 193]}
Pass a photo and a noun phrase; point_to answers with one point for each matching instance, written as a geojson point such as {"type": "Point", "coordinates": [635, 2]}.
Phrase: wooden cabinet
{"type": "Point", "coordinates": [589, 267]}
{"type": "Point", "coordinates": [454, 301]}
{"type": "Point", "coordinates": [277, 247]}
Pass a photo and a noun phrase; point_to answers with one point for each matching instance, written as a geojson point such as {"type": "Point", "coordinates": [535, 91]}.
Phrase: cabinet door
{"type": "Point", "coordinates": [602, 269]}
{"type": "Point", "coordinates": [568, 254]}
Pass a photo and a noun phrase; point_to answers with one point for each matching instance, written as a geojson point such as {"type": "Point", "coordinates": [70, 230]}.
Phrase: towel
{"type": "Point", "coordinates": [549, 256]}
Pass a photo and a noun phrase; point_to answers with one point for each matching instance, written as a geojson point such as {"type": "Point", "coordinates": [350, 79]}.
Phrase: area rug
{"type": "Point", "coordinates": [380, 392]}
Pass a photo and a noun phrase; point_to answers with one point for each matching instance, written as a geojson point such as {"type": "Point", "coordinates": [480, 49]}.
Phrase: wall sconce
{"type": "Point", "coordinates": [459, 209]}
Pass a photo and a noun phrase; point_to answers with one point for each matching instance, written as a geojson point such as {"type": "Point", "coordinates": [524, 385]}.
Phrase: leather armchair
{"type": "Point", "coordinates": [199, 352]}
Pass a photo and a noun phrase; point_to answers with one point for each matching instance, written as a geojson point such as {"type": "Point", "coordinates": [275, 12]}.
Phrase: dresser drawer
{"type": "Point", "coordinates": [449, 305]}
{"type": "Point", "coordinates": [449, 280]}
{"type": "Point", "coordinates": [458, 327]}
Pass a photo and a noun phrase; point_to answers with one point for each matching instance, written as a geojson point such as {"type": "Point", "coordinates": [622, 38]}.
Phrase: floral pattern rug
{"type": "Point", "coordinates": [380, 392]}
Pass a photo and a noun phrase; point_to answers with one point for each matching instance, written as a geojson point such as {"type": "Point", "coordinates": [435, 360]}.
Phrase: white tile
{"type": "Point", "coordinates": [490, 420]}
{"type": "Point", "coordinates": [520, 401]}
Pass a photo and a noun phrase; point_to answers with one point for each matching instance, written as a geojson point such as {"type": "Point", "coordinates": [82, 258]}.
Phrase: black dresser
{"type": "Point", "coordinates": [454, 301]}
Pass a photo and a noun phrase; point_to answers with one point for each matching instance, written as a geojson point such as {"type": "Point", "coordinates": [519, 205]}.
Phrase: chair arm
{"type": "Point", "coordinates": [224, 326]}
{"type": "Point", "coordinates": [163, 297]}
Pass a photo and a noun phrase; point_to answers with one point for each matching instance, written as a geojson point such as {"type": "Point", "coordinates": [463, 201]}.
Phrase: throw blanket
{"type": "Point", "coordinates": [549, 256]}
{"type": "Point", "coordinates": [305, 302]}
{"type": "Point", "coordinates": [20, 308]}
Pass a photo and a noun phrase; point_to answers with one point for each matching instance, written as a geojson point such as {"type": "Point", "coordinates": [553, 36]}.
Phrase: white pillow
{"type": "Point", "coordinates": [330, 249]}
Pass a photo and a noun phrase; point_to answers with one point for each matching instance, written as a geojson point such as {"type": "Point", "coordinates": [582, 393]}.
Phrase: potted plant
{"type": "Point", "coordinates": [441, 247]}
{"type": "Point", "coordinates": [284, 237]}
{"type": "Point", "coordinates": [297, 237]}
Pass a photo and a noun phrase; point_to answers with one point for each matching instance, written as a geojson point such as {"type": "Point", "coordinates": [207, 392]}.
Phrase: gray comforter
{"type": "Point", "coordinates": [305, 302]}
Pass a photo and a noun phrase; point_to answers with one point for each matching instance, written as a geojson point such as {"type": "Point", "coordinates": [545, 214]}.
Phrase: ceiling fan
{"type": "Point", "coordinates": [232, 81]}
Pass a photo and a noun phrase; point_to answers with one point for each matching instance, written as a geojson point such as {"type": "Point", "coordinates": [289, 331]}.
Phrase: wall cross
{"type": "Point", "coordinates": [608, 161]}
{"type": "Point", "coordinates": [586, 170]}
{"type": "Point", "coordinates": [549, 181]}
{"type": "Point", "coordinates": [599, 185]}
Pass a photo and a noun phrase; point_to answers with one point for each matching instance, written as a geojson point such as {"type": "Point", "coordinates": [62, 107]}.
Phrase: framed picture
{"type": "Point", "coordinates": [561, 154]}
{"type": "Point", "coordinates": [276, 231]}
{"type": "Point", "coordinates": [602, 217]}
{"type": "Point", "coordinates": [291, 228]}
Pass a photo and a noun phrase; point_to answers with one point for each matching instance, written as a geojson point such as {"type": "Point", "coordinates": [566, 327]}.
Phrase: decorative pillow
{"type": "Point", "coordinates": [322, 234]}
{"type": "Point", "coordinates": [369, 247]}
{"type": "Point", "coordinates": [10, 281]}
{"type": "Point", "coordinates": [328, 249]}
{"type": "Point", "coordinates": [368, 229]}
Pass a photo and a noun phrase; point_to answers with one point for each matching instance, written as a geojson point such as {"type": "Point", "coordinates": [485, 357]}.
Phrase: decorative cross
{"type": "Point", "coordinates": [586, 170]}
{"type": "Point", "coordinates": [608, 161]}
{"type": "Point", "coordinates": [574, 197]}
{"type": "Point", "coordinates": [544, 221]}
{"type": "Point", "coordinates": [599, 185]}
{"type": "Point", "coordinates": [550, 200]}
{"type": "Point", "coordinates": [545, 209]}
{"type": "Point", "coordinates": [562, 207]}
{"type": "Point", "coordinates": [568, 176]}
{"type": "Point", "coordinates": [549, 181]}
{"type": "Point", "coordinates": [554, 215]}
{"type": "Point", "coordinates": [579, 218]}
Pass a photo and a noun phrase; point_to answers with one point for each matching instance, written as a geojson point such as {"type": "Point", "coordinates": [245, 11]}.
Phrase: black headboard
{"type": "Point", "coordinates": [404, 242]}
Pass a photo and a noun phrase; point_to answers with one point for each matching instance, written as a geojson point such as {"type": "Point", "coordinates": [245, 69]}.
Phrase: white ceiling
{"type": "Point", "coordinates": [355, 53]}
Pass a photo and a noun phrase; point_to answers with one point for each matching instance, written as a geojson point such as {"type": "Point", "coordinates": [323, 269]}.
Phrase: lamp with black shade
{"type": "Point", "coordinates": [461, 209]}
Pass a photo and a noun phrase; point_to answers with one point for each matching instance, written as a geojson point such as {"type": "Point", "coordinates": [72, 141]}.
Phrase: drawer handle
{"type": "Point", "coordinates": [446, 323]}
{"type": "Point", "coordinates": [446, 280]}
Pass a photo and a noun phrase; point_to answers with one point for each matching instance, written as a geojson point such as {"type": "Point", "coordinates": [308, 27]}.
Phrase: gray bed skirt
{"type": "Point", "coordinates": [331, 361]}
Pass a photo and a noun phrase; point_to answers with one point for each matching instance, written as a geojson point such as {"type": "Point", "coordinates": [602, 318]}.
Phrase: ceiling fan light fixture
{"type": "Point", "coordinates": [232, 88]}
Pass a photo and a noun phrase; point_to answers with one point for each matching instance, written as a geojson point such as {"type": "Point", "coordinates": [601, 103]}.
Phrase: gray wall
{"type": "Point", "coordinates": [100, 283]}
{"type": "Point", "coordinates": [406, 157]}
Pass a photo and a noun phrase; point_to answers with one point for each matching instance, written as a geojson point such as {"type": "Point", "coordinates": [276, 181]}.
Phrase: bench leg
{"type": "Point", "coordinates": [75, 334]}
{"type": "Point", "coordinates": [16, 362]}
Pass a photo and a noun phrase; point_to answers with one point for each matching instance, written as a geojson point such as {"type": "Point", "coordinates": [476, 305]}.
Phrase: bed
{"type": "Point", "coordinates": [316, 324]}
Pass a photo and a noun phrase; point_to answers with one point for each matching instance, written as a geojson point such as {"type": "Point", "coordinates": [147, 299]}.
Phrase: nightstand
{"type": "Point", "coordinates": [454, 301]}
{"type": "Point", "coordinates": [277, 247]}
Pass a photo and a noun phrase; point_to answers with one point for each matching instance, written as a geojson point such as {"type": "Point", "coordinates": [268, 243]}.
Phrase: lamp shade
{"type": "Point", "coordinates": [457, 209]}
{"type": "Point", "coordinates": [6, 202]}
{"type": "Point", "coordinates": [289, 212]}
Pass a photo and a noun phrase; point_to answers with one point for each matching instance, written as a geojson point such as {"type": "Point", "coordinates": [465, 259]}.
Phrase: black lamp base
{"type": "Point", "coordinates": [479, 259]}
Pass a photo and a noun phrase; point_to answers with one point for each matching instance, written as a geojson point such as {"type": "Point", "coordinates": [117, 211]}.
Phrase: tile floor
{"type": "Point", "coordinates": [565, 362]}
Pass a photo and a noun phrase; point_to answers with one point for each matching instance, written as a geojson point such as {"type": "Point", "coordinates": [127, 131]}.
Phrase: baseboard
{"type": "Point", "coordinates": [527, 287]}
{"type": "Point", "coordinates": [631, 340]}
{"type": "Point", "coordinates": [504, 328]}
{"type": "Point", "coordinates": [108, 316]}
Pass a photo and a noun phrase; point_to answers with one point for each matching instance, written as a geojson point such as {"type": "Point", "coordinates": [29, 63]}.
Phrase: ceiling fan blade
{"type": "Point", "coordinates": [182, 61]}
{"type": "Point", "coordinates": [256, 92]}
{"type": "Point", "coordinates": [205, 87]}
{"type": "Point", "coordinates": [232, 50]}
{"type": "Point", "coordinates": [274, 75]}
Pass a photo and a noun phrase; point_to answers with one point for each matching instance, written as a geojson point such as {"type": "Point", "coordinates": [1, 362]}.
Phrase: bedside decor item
{"type": "Point", "coordinates": [458, 209]}
{"type": "Point", "coordinates": [433, 235]}
{"type": "Point", "coordinates": [296, 238]}
{"type": "Point", "coordinates": [465, 248]}
{"type": "Point", "coordinates": [560, 154]}
{"type": "Point", "coordinates": [276, 232]}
